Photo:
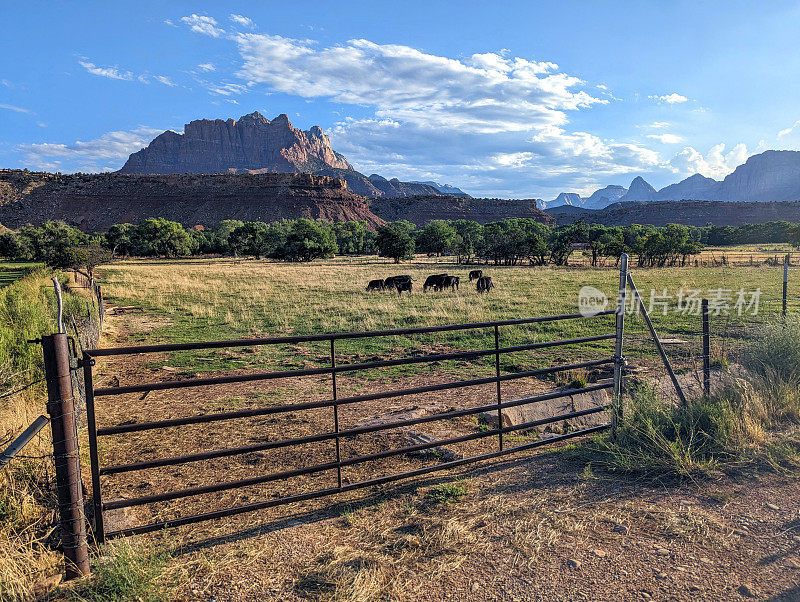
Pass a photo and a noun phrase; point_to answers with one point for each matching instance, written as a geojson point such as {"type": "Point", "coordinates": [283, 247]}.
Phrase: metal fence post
{"type": "Point", "coordinates": [336, 414]}
{"type": "Point", "coordinates": [785, 282]}
{"type": "Point", "coordinates": [499, 397]}
{"type": "Point", "coordinates": [61, 407]}
{"type": "Point", "coordinates": [619, 360]}
{"type": "Point", "coordinates": [706, 350]}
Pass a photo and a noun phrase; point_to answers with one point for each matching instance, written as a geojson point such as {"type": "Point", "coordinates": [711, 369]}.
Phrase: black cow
{"type": "Point", "coordinates": [402, 285]}
{"type": "Point", "coordinates": [475, 274]}
{"type": "Point", "coordinates": [484, 284]}
{"type": "Point", "coordinates": [451, 282]}
{"type": "Point", "coordinates": [391, 281]}
{"type": "Point", "coordinates": [376, 285]}
{"type": "Point", "coordinates": [436, 282]}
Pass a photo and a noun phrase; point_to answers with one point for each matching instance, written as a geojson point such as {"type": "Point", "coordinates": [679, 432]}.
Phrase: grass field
{"type": "Point", "coordinates": [195, 300]}
{"type": "Point", "coordinates": [11, 271]}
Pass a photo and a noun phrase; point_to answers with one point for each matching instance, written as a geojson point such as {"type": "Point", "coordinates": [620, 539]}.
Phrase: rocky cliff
{"type": "Point", "coordinates": [254, 144]}
{"type": "Point", "coordinates": [95, 202]}
{"type": "Point", "coordinates": [692, 213]}
{"type": "Point", "coordinates": [251, 143]}
{"type": "Point", "coordinates": [421, 209]}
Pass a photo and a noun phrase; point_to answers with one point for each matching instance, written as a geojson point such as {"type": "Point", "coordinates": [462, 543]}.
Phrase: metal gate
{"type": "Point", "coordinates": [334, 433]}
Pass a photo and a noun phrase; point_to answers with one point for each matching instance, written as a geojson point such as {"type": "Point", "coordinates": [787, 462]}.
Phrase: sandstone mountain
{"type": "Point", "coordinates": [691, 213]}
{"type": "Point", "coordinates": [254, 144]}
{"type": "Point", "coordinates": [769, 176]}
{"type": "Point", "coordinates": [96, 201]}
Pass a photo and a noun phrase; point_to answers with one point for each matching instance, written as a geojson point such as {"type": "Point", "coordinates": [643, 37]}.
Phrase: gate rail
{"type": "Point", "coordinates": [334, 403]}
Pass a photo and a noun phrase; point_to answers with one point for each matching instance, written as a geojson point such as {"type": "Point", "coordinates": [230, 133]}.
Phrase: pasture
{"type": "Point", "coordinates": [196, 300]}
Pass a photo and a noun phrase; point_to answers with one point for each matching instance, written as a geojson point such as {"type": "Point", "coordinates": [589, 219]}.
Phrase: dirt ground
{"type": "Point", "coordinates": [535, 526]}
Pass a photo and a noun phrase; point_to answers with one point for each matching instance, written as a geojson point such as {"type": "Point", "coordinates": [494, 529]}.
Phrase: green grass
{"type": "Point", "coordinates": [202, 300]}
{"type": "Point", "coordinates": [446, 493]}
{"type": "Point", "coordinates": [124, 572]}
{"type": "Point", "coordinates": [10, 271]}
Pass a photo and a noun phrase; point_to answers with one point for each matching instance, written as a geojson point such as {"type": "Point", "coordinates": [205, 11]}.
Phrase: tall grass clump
{"type": "Point", "coordinates": [773, 360]}
{"type": "Point", "coordinates": [751, 418]}
{"type": "Point", "coordinates": [27, 502]}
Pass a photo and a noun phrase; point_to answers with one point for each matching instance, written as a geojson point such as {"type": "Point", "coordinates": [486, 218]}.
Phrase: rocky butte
{"type": "Point", "coordinates": [254, 144]}
{"type": "Point", "coordinates": [252, 169]}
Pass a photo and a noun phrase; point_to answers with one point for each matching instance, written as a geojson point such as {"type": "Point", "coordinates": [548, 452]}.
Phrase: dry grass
{"type": "Point", "coordinates": [386, 553]}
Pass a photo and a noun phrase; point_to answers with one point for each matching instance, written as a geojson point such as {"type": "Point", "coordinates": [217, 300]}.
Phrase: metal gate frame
{"type": "Point", "coordinates": [88, 361]}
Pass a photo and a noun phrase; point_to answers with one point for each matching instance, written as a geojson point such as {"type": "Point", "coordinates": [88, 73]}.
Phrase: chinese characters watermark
{"type": "Point", "coordinates": [686, 301]}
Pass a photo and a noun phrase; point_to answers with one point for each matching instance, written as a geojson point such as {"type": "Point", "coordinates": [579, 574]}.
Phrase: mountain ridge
{"type": "Point", "coordinates": [257, 145]}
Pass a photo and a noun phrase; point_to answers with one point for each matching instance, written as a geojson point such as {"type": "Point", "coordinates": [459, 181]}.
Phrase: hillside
{"type": "Point", "coordinates": [692, 213]}
{"type": "Point", "coordinates": [96, 201]}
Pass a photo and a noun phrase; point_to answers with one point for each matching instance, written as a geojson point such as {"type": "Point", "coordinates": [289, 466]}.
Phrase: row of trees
{"type": "Point", "coordinates": [510, 241]}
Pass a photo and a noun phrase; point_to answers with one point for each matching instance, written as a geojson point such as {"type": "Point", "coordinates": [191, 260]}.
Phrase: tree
{"type": "Point", "coordinates": [308, 240]}
{"type": "Point", "coordinates": [251, 238]}
{"type": "Point", "coordinates": [469, 239]}
{"type": "Point", "coordinates": [161, 237]}
{"type": "Point", "coordinates": [350, 237]}
{"type": "Point", "coordinates": [436, 237]}
{"type": "Point", "coordinates": [394, 240]}
{"type": "Point", "coordinates": [120, 239]}
{"type": "Point", "coordinates": [76, 258]}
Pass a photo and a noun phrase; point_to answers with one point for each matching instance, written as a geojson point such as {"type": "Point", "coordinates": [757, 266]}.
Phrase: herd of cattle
{"type": "Point", "coordinates": [435, 282]}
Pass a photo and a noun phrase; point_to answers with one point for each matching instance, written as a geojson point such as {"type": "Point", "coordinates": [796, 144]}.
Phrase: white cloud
{"type": "Point", "coordinates": [112, 72]}
{"type": "Point", "coordinates": [15, 109]}
{"type": "Point", "coordinates": [495, 123]}
{"type": "Point", "coordinates": [242, 21]}
{"type": "Point", "coordinates": [206, 67]}
{"type": "Point", "coordinates": [227, 89]}
{"type": "Point", "coordinates": [670, 98]}
{"type": "Point", "coordinates": [164, 80]}
{"type": "Point", "coordinates": [91, 155]}
{"type": "Point", "coordinates": [666, 138]}
{"type": "Point", "coordinates": [203, 24]}
{"type": "Point", "coordinates": [169, 22]}
{"type": "Point", "coordinates": [789, 130]}
{"type": "Point", "coordinates": [658, 125]}
{"type": "Point", "coordinates": [715, 164]}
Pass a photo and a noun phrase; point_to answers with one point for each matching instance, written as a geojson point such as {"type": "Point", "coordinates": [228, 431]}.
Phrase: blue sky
{"type": "Point", "coordinates": [509, 99]}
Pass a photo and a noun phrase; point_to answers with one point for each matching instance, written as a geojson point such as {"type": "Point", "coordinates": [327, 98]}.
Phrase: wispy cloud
{"type": "Point", "coordinates": [164, 80]}
{"type": "Point", "coordinates": [15, 108]}
{"type": "Point", "coordinates": [666, 138]}
{"type": "Point", "coordinates": [203, 24]}
{"type": "Point", "coordinates": [670, 99]}
{"type": "Point", "coordinates": [206, 67]}
{"type": "Point", "coordinates": [789, 130]}
{"type": "Point", "coordinates": [97, 154]}
{"type": "Point", "coordinates": [242, 21]}
{"type": "Point", "coordinates": [112, 72]}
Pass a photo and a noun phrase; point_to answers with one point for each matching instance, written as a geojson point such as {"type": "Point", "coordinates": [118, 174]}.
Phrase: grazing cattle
{"type": "Point", "coordinates": [391, 281]}
{"type": "Point", "coordinates": [375, 285]}
{"type": "Point", "coordinates": [475, 274]}
{"type": "Point", "coordinates": [402, 285]}
{"type": "Point", "coordinates": [436, 282]}
{"type": "Point", "coordinates": [450, 282]}
{"type": "Point", "coordinates": [484, 284]}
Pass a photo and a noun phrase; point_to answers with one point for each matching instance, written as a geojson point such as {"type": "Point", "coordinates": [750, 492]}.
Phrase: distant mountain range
{"type": "Point", "coordinates": [769, 176]}
{"type": "Point", "coordinates": [255, 144]}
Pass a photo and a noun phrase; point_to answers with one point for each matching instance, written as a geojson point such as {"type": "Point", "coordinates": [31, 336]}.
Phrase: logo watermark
{"type": "Point", "coordinates": [686, 301]}
{"type": "Point", "coordinates": [591, 301]}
